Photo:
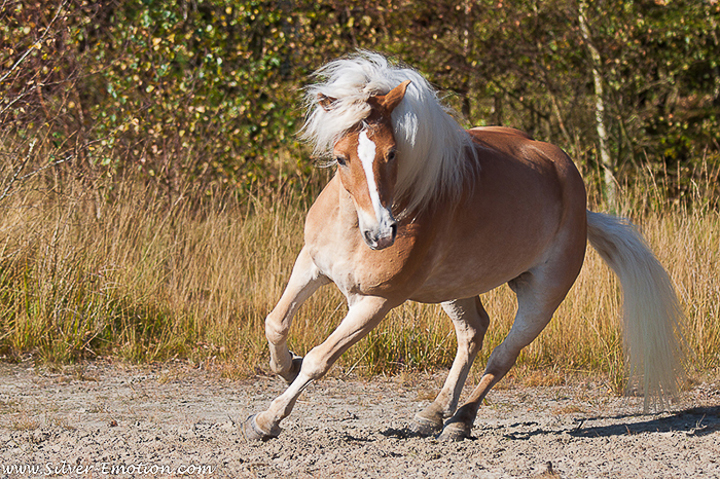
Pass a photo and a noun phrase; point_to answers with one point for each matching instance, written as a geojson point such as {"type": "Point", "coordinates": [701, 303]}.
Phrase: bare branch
{"type": "Point", "coordinates": [36, 44]}
{"type": "Point", "coordinates": [18, 171]}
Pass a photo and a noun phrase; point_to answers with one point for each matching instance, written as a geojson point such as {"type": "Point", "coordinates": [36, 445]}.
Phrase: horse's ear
{"type": "Point", "coordinates": [325, 101]}
{"type": "Point", "coordinates": [393, 98]}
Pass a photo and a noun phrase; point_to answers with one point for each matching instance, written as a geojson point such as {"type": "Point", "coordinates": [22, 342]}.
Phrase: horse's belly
{"type": "Point", "coordinates": [453, 283]}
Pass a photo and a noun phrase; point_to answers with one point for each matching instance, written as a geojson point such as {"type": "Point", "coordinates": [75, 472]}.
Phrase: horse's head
{"type": "Point", "coordinates": [368, 170]}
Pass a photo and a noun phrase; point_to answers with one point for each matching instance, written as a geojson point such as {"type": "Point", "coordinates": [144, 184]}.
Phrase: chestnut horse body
{"type": "Point", "coordinates": [422, 210]}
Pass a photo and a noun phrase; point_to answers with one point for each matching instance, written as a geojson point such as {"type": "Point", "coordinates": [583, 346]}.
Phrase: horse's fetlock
{"type": "Point", "coordinates": [276, 367]}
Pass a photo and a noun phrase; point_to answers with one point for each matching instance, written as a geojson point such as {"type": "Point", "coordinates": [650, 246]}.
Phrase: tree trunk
{"type": "Point", "coordinates": [606, 161]}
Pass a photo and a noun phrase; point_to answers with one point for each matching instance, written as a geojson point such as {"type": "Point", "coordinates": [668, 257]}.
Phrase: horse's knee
{"type": "Point", "coordinates": [275, 330]}
{"type": "Point", "coordinates": [282, 361]}
{"type": "Point", "coordinates": [315, 364]}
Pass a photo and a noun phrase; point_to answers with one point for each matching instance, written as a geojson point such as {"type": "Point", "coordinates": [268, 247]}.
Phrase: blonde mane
{"type": "Point", "coordinates": [431, 145]}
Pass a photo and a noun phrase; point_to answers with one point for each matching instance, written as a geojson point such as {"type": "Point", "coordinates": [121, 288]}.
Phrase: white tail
{"type": "Point", "coordinates": [652, 312]}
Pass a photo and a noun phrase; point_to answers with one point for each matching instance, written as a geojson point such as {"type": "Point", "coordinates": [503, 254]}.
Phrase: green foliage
{"type": "Point", "coordinates": [204, 89]}
{"type": "Point", "coordinates": [210, 91]}
{"type": "Point", "coordinates": [662, 64]}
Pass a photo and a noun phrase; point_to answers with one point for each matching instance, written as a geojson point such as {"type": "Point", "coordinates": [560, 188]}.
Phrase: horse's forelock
{"type": "Point", "coordinates": [431, 144]}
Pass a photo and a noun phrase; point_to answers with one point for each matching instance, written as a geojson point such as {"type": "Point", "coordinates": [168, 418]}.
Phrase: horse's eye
{"type": "Point", "coordinates": [391, 155]}
{"type": "Point", "coordinates": [340, 161]}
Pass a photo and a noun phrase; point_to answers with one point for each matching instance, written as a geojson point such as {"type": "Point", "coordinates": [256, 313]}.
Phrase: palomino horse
{"type": "Point", "coordinates": [422, 210]}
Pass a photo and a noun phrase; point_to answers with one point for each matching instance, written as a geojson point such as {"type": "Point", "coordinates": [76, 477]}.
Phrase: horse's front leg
{"type": "Point", "coordinates": [304, 281]}
{"type": "Point", "coordinates": [471, 322]}
{"type": "Point", "coordinates": [364, 314]}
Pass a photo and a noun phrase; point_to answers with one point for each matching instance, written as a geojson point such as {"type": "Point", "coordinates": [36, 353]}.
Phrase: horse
{"type": "Point", "coordinates": [423, 210]}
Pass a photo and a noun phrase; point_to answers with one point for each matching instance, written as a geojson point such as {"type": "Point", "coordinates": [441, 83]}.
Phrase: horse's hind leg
{"type": "Point", "coordinates": [304, 281]}
{"type": "Point", "coordinates": [471, 321]}
{"type": "Point", "coordinates": [539, 293]}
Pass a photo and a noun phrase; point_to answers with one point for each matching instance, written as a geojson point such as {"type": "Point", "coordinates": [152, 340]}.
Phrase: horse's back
{"type": "Point", "coordinates": [548, 162]}
{"type": "Point", "coordinates": [499, 130]}
{"type": "Point", "coordinates": [526, 207]}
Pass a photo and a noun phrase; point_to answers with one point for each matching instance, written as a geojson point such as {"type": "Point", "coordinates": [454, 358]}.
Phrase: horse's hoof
{"type": "Point", "coordinates": [454, 432]}
{"type": "Point", "coordinates": [253, 433]}
{"type": "Point", "coordinates": [290, 376]}
{"type": "Point", "coordinates": [424, 427]}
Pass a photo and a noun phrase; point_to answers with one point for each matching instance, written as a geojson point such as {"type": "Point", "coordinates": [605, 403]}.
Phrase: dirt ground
{"type": "Point", "coordinates": [100, 420]}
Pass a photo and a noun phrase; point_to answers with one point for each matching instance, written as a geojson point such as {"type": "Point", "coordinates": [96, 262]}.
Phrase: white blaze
{"type": "Point", "coordinates": [366, 153]}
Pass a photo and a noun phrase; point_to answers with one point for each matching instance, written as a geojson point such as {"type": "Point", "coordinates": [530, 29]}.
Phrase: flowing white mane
{"type": "Point", "coordinates": [431, 145]}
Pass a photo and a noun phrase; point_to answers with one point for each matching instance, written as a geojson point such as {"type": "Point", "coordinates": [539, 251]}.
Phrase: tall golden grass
{"type": "Point", "coordinates": [118, 269]}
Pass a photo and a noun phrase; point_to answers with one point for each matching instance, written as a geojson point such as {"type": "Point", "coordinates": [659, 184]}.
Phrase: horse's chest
{"type": "Point", "coordinates": [336, 246]}
{"type": "Point", "coordinates": [354, 272]}
{"type": "Point", "coordinates": [360, 270]}
{"type": "Point", "coordinates": [337, 266]}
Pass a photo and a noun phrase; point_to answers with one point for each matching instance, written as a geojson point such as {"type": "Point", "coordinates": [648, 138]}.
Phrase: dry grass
{"type": "Point", "coordinates": [116, 269]}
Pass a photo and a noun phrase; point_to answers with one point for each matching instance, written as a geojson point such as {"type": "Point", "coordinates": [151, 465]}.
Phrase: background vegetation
{"type": "Point", "coordinates": [152, 189]}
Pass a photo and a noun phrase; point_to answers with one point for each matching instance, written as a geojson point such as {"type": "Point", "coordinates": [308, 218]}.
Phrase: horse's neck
{"type": "Point", "coordinates": [333, 211]}
{"type": "Point", "coordinates": [347, 214]}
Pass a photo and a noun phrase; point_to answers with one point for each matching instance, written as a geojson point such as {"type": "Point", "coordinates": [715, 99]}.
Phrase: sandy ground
{"type": "Point", "coordinates": [99, 420]}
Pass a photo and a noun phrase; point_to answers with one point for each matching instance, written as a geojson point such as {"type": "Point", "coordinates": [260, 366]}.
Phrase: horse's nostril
{"type": "Point", "coordinates": [368, 236]}
{"type": "Point", "coordinates": [394, 230]}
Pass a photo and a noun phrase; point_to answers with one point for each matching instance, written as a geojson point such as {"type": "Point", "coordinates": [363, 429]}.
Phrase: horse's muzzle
{"type": "Point", "coordinates": [382, 238]}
